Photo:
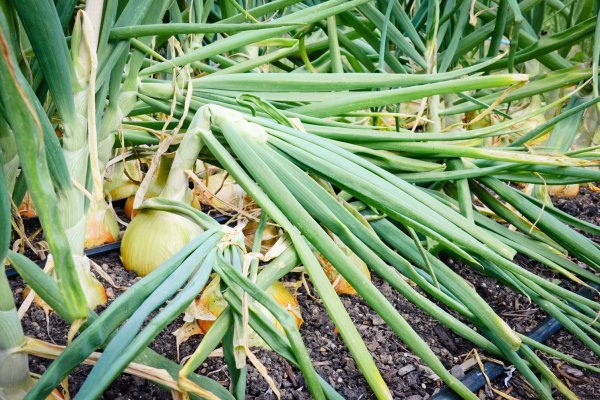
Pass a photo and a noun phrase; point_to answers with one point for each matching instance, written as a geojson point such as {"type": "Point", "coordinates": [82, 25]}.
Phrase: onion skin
{"type": "Point", "coordinates": [569, 191]}
{"type": "Point", "coordinates": [128, 208]}
{"type": "Point", "coordinates": [222, 192]}
{"type": "Point", "coordinates": [340, 285]}
{"type": "Point", "coordinates": [27, 209]}
{"type": "Point", "coordinates": [209, 306]}
{"type": "Point", "coordinates": [100, 227]}
{"type": "Point", "coordinates": [270, 236]}
{"type": "Point", "coordinates": [94, 291]}
{"type": "Point", "coordinates": [152, 237]}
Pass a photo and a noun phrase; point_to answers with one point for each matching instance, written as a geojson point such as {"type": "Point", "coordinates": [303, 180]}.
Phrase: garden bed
{"type": "Point", "coordinates": [406, 376]}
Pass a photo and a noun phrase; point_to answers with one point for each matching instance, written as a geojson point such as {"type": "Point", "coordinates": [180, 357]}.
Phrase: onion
{"type": "Point", "coordinates": [222, 192]}
{"type": "Point", "coordinates": [95, 293]}
{"type": "Point", "coordinates": [564, 190]}
{"type": "Point", "coordinates": [118, 184]}
{"type": "Point", "coordinates": [154, 236]}
{"type": "Point", "coordinates": [270, 236]}
{"type": "Point", "coordinates": [100, 226]}
{"type": "Point", "coordinates": [128, 207]}
{"type": "Point", "coordinates": [286, 300]}
{"type": "Point", "coordinates": [207, 308]}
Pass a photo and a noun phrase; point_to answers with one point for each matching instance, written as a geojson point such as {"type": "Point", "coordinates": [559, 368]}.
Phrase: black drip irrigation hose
{"type": "Point", "coordinates": [96, 251]}
{"type": "Point", "coordinates": [475, 379]}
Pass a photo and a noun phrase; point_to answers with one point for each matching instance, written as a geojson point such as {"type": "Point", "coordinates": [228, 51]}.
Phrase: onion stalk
{"type": "Point", "coordinates": [15, 380]}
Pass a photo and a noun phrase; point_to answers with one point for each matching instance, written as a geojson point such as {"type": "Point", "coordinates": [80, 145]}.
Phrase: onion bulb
{"type": "Point", "coordinates": [154, 236]}
{"type": "Point", "coordinates": [100, 225]}
{"type": "Point", "coordinates": [285, 299]}
{"type": "Point", "coordinates": [269, 237]}
{"type": "Point", "coordinates": [128, 207]}
{"type": "Point", "coordinates": [221, 192]}
{"type": "Point", "coordinates": [563, 190]}
{"type": "Point", "coordinates": [340, 285]}
{"type": "Point", "coordinates": [118, 184]}
{"type": "Point", "coordinates": [95, 293]}
{"type": "Point", "coordinates": [206, 309]}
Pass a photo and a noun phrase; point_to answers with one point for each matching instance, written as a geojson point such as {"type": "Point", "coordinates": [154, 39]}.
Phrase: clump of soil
{"type": "Point", "coordinates": [406, 376]}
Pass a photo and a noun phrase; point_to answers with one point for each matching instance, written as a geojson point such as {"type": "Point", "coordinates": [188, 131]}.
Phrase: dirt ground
{"type": "Point", "coordinates": [405, 375]}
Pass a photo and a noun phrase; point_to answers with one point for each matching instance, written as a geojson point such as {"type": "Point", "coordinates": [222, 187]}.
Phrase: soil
{"type": "Point", "coordinates": [405, 374]}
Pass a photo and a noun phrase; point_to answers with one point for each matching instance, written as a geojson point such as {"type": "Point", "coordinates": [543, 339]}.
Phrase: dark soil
{"type": "Point", "coordinates": [404, 373]}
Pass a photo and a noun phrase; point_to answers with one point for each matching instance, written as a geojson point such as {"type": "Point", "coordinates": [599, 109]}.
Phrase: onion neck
{"type": "Point", "coordinates": [15, 380]}
{"type": "Point", "coordinates": [176, 186]}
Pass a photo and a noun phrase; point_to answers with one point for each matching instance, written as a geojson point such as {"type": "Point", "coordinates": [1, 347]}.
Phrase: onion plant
{"type": "Point", "coordinates": [392, 133]}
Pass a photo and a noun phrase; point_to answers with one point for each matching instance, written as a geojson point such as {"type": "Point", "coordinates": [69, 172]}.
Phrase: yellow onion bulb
{"type": "Point", "coordinates": [95, 293]}
{"type": "Point", "coordinates": [207, 308]}
{"type": "Point", "coordinates": [222, 192]}
{"type": "Point", "coordinates": [100, 227]}
{"type": "Point", "coordinates": [270, 236]}
{"type": "Point", "coordinates": [285, 299]}
{"type": "Point", "coordinates": [569, 191]}
{"type": "Point", "coordinates": [118, 184]}
{"type": "Point", "coordinates": [154, 236]}
{"type": "Point", "coordinates": [128, 208]}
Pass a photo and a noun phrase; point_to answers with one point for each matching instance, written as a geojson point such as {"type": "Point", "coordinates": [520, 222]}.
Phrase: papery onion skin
{"type": "Point", "coordinates": [270, 236]}
{"type": "Point", "coordinates": [27, 209]}
{"type": "Point", "coordinates": [569, 191]}
{"type": "Point", "coordinates": [95, 293]}
{"type": "Point", "coordinates": [340, 285]}
{"type": "Point", "coordinates": [222, 192]}
{"type": "Point", "coordinates": [100, 227]}
{"type": "Point", "coordinates": [285, 299]}
{"type": "Point", "coordinates": [209, 306]}
{"type": "Point", "coordinates": [152, 237]}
